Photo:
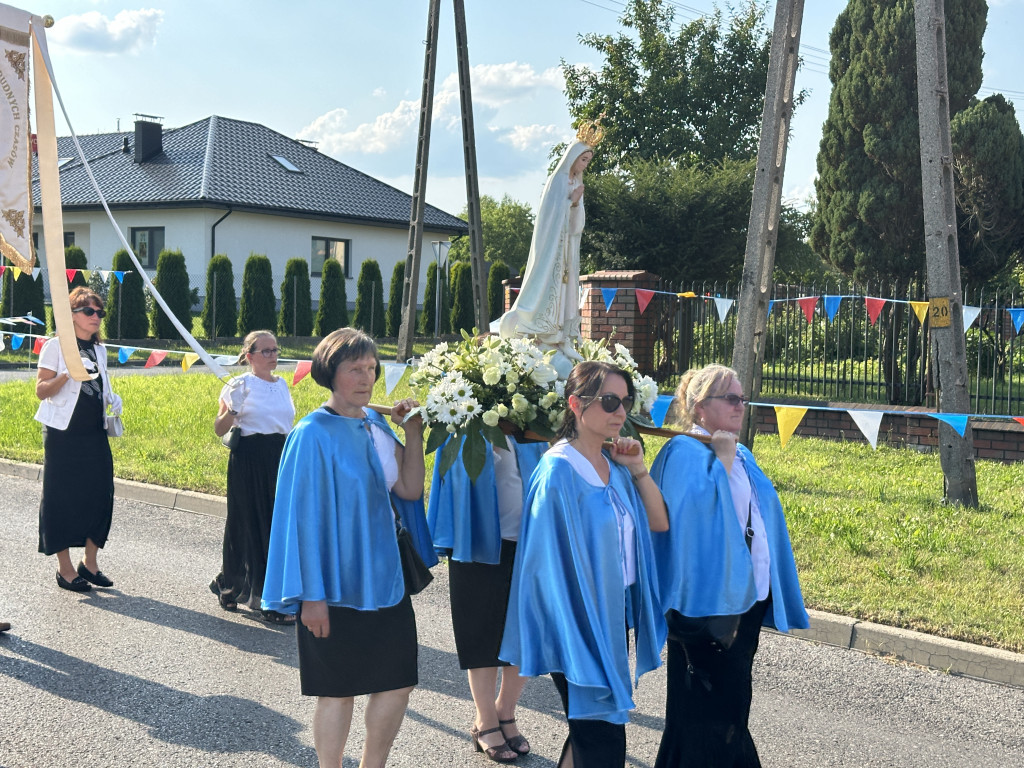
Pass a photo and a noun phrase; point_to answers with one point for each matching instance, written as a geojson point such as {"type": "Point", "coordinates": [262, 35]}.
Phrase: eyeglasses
{"type": "Point", "coordinates": [89, 312]}
{"type": "Point", "coordinates": [611, 403]}
{"type": "Point", "coordinates": [268, 352]}
{"type": "Point", "coordinates": [731, 399]}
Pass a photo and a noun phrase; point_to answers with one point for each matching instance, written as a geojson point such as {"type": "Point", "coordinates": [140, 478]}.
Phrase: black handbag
{"type": "Point", "coordinates": [230, 438]}
{"type": "Point", "coordinates": [417, 575]}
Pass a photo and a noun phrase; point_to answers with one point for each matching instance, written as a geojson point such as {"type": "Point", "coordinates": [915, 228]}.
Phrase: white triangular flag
{"type": "Point", "coordinates": [970, 315]}
{"type": "Point", "coordinates": [393, 373]}
{"type": "Point", "coordinates": [722, 306]}
{"type": "Point", "coordinates": [868, 422]}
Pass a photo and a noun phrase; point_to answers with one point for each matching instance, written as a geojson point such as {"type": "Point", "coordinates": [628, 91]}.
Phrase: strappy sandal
{"type": "Point", "coordinates": [502, 753]}
{"type": "Point", "coordinates": [276, 617]}
{"type": "Point", "coordinates": [227, 602]}
{"type": "Point", "coordinates": [517, 743]}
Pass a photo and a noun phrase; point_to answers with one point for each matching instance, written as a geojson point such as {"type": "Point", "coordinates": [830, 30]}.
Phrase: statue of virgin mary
{"type": "Point", "coordinates": [547, 307]}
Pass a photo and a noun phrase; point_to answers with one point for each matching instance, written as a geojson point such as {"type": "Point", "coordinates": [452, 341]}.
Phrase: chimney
{"type": "Point", "coordinates": [149, 137]}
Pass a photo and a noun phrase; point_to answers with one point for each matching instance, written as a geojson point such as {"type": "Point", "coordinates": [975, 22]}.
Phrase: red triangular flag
{"type": "Point", "coordinates": [70, 273]}
{"type": "Point", "coordinates": [2, 268]}
{"type": "Point", "coordinates": [874, 307]}
{"type": "Point", "coordinates": [643, 298]}
{"type": "Point", "coordinates": [301, 369]}
{"type": "Point", "coordinates": [38, 345]}
{"type": "Point", "coordinates": [1019, 420]}
{"type": "Point", "coordinates": [155, 358]}
{"type": "Point", "coordinates": [807, 304]}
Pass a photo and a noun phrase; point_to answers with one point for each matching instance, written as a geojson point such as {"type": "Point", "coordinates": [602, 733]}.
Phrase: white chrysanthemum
{"type": "Point", "coordinates": [625, 358]}
{"type": "Point", "coordinates": [646, 393]}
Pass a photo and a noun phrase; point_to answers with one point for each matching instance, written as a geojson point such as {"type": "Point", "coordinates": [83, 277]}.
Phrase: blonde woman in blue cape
{"type": "Point", "coordinates": [584, 575]}
{"type": "Point", "coordinates": [476, 524]}
{"type": "Point", "coordinates": [334, 557]}
{"type": "Point", "coordinates": [727, 553]}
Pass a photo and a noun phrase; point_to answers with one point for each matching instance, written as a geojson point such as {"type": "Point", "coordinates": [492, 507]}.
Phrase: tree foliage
{"type": "Point", "coordinates": [23, 296]}
{"type": "Point", "coordinates": [463, 318]}
{"type": "Point", "coordinates": [507, 228]}
{"type": "Point", "coordinates": [296, 316]}
{"type": "Point", "coordinates": [370, 299]}
{"type": "Point", "coordinates": [495, 290]}
{"type": "Point", "coordinates": [126, 302]}
{"type": "Point", "coordinates": [257, 309]}
{"type": "Point", "coordinates": [220, 294]}
{"type": "Point", "coordinates": [869, 220]}
{"type": "Point", "coordinates": [435, 303]}
{"type": "Point", "coordinates": [394, 316]}
{"type": "Point", "coordinates": [332, 313]}
{"type": "Point", "coordinates": [171, 282]}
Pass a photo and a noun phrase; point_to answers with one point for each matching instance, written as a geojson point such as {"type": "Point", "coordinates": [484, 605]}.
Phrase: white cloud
{"type": "Point", "coordinates": [379, 93]}
{"type": "Point", "coordinates": [532, 137]}
{"type": "Point", "coordinates": [386, 132]}
{"type": "Point", "coordinates": [495, 85]}
{"type": "Point", "coordinates": [92, 32]}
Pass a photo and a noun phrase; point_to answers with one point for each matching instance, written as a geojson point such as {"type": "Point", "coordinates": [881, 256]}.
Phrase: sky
{"type": "Point", "coordinates": [348, 75]}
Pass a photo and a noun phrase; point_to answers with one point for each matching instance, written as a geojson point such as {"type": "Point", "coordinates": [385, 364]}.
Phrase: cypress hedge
{"type": "Point", "coordinates": [220, 303]}
{"type": "Point", "coordinates": [296, 317]}
{"type": "Point", "coordinates": [171, 282]}
{"type": "Point", "coordinates": [463, 317]}
{"type": "Point", "coordinates": [23, 296]}
{"type": "Point", "coordinates": [370, 299]}
{"type": "Point", "coordinates": [332, 313]}
{"type": "Point", "coordinates": [257, 308]}
{"type": "Point", "coordinates": [495, 290]}
{"type": "Point", "coordinates": [394, 317]}
{"type": "Point", "coordinates": [430, 301]}
{"type": "Point", "coordinates": [126, 302]}
{"type": "Point", "coordinates": [74, 258]}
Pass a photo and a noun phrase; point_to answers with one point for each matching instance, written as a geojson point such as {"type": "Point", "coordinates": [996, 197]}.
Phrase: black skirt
{"type": "Point", "coordinates": [365, 652]}
{"type": "Point", "coordinates": [252, 482]}
{"type": "Point", "coordinates": [78, 480]}
{"type": "Point", "coordinates": [478, 593]}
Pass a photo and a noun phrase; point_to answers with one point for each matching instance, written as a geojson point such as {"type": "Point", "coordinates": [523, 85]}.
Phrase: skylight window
{"type": "Point", "coordinates": [62, 161]}
{"type": "Point", "coordinates": [287, 164]}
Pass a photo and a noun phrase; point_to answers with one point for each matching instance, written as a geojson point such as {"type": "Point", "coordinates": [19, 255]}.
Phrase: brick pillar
{"type": "Point", "coordinates": [510, 290]}
{"type": "Point", "coordinates": [622, 323]}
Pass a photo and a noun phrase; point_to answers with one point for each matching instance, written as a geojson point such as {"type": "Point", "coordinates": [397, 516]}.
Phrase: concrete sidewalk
{"type": "Point", "coordinates": [950, 656]}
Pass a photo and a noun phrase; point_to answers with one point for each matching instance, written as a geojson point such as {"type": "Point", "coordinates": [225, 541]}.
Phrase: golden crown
{"type": "Point", "coordinates": [590, 132]}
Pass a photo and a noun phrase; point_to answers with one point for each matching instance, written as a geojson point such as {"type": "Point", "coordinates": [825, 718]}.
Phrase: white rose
{"type": "Point", "coordinates": [543, 374]}
{"type": "Point", "coordinates": [491, 418]}
{"type": "Point", "coordinates": [512, 378]}
{"type": "Point", "coordinates": [519, 403]}
{"type": "Point", "coordinates": [492, 376]}
{"type": "Point", "coordinates": [502, 410]}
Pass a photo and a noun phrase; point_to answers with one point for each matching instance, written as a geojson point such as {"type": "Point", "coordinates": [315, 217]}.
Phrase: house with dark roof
{"type": "Point", "coordinates": [228, 186]}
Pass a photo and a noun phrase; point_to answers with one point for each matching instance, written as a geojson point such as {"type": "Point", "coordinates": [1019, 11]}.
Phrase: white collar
{"type": "Point", "coordinates": [578, 462]}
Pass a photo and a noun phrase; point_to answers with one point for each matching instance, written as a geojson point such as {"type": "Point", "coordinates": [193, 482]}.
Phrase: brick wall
{"type": "Point", "coordinates": [622, 323]}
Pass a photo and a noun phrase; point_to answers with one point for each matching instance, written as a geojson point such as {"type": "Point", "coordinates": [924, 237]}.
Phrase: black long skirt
{"type": "Point", "coordinates": [78, 481]}
{"type": "Point", "coordinates": [478, 593]}
{"type": "Point", "coordinates": [252, 482]}
{"type": "Point", "coordinates": [364, 652]}
{"type": "Point", "coordinates": [706, 711]}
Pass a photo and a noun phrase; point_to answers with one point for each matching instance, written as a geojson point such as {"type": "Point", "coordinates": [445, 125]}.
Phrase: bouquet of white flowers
{"type": "Point", "coordinates": [481, 388]}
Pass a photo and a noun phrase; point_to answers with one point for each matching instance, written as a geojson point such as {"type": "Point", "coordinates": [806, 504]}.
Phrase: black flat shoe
{"type": "Point", "coordinates": [274, 617]}
{"type": "Point", "coordinates": [98, 578]}
{"type": "Point", "coordinates": [227, 602]}
{"type": "Point", "coordinates": [77, 584]}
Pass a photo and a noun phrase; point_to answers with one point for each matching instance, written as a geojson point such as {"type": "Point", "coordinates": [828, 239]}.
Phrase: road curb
{"type": "Point", "coordinates": [950, 656]}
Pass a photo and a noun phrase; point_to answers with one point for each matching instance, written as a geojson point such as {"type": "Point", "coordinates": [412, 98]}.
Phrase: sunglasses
{"type": "Point", "coordinates": [611, 403]}
{"type": "Point", "coordinates": [731, 399]}
{"type": "Point", "coordinates": [268, 352]}
{"type": "Point", "coordinates": [89, 311]}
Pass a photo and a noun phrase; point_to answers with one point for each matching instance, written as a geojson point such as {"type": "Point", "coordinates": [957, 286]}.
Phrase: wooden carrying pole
{"type": "Point", "coordinates": [762, 231]}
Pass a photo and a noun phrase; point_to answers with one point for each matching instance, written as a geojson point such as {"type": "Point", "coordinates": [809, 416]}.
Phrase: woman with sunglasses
{"type": "Point", "coordinates": [584, 573]}
{"type": "Point", "coordinates": [260, 405]}
{"type": "Point", "coordinates": [78, 471]}
{"type": "Point", "coordinates": [727, 553]}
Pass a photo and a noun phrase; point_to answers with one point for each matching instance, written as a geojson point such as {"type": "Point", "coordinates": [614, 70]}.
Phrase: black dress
{"type": "Point", "coordinates": [78, 471]}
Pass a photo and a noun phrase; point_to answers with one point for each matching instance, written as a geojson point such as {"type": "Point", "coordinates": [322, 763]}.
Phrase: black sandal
{"type": "Point", "coordinates": [276, 617]}
{"type": "Point", "coordinates": [227, 602]}
{"type": "Point", "coordinates": [518, 743]}
{"type": "Point", "coordinates": [502, 753]}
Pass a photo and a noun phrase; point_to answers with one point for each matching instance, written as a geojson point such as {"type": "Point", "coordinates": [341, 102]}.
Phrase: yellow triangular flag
{"type": "Point", "coordinates": [188, 360]}
{"type": "Point", "coordinates": [16, 271]}
{"type": "Point", "coordinates": [789, 419]}
{"type": "Point", "coordinates": [920, 309]}
{"type": "Point", "coordinates": [86, 273]}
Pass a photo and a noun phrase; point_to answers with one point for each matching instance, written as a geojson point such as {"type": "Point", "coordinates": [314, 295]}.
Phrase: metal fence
{"type": "Point", "coordinates": [846, 342]}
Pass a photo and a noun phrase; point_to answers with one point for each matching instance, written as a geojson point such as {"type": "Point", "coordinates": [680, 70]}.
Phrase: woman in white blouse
{"type": "Point", "coordinates": [260, 405]}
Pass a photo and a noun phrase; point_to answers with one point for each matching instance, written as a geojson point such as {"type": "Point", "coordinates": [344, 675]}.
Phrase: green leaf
{"type": "Point", "coordinates": [494, 436]}
{"type": "Point", "coordinates": [629, 430]}
{"type": "Point", "coordinates": [474, 453]}
{"type": "Point", "coordinates": [435, 439]}
{"type": "Point", "coordinates": [541, 427]}
{"type": "Point", "coordinates": [449, 453]}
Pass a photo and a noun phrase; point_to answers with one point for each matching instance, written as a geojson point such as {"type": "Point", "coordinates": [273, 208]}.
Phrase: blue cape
{"type": "Point", "coordinates": [568, 609]}
{"type": "Point", "coordinates": [704, 567]}
{"type": "Point", "coordinates": [463, 515]}
{"type": "Point", "coordinates": [333, 531]}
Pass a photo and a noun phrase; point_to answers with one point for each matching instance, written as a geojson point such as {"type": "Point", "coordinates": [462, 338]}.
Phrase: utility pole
{"type": "Point", "coordinates": [945, 310]}
{"type": "Point", "coordinates": [762, 230]}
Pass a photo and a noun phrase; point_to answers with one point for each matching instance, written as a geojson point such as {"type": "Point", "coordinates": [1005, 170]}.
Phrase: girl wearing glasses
{"type": "Point", "coordinates": [78, 470]}
{"type": "Point", "coordinates": [584, 573]}
{"type": "Point", "coordinates": [727, 553]}
{"type": "Point", "coordinates": [260, 405]}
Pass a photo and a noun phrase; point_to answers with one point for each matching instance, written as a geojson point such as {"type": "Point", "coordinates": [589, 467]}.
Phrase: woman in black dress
{"type": "Point", "coordinates": [78, 471]}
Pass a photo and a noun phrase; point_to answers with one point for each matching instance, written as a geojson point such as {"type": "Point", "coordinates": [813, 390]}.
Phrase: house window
{"type": "Point", "coordinates": [147, 242]}
{"type": "Point", "coordinates": [69, 239]}
{"type": "Point", "coordinates": [328, 248]}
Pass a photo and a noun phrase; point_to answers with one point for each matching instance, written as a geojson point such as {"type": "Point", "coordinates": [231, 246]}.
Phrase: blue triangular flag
{"type": "Point", "coordinates": [16, 339]}
{"type": "Point", "coordinates": [124, 353]}
{"type": "Point", "coordinates": [119, 276]}
{"type": "Point", "coordinates": [832, 306]}
{"type": "Point", "coordinates": [770, 305]}
{"type": "Point", "coordinates": [32, 318]}
{"type": "Point", "coordinates": [1017, 315]}
{"type": "Point", "coordinates": [609, 297]}
{"type": "Point", "coordinates": [957, 421]}
{"type": "Point", "coordinates": [660, 408]}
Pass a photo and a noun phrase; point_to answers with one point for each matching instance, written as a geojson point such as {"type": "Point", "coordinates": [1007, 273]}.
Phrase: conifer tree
{"type": "Point", "coordinates": [495, 290]}
{"type": "Point", "coordinates": [126, 301]}
{"type": "Point", "coordinates": [332, 313]}
{"type": "Point", "coordinates": [257, 308]}
{"type": "Point", "coordinates": [394, 318]}
{"type": "Point", "coordinates": [370, 299]}
{"type": "Point", "coordinates": [463, 318]}
{"type": "Point", "coordinates": [296, 317]}
{"type": "Point", "coordinates": [172, 283]}
{"type": "Point", "coordinates": [220, 293]}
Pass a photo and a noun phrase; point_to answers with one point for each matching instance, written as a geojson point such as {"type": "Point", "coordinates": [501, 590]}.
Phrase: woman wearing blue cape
{"type": "Point", "coordinates": [584, 574]}
{"type": "Point", "coordinates": [334, 556]}
{"type": "Point", "coordinates": [727, 553]}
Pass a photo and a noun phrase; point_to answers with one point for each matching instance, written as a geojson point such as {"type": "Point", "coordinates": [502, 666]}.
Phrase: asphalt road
{"type": "Point", "coordinates": [154, 673]}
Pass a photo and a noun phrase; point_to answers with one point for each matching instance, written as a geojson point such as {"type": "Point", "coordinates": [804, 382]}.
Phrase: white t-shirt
{"type": "Point", "coordinates": [384, 444]}
{"type": "Point", "coordinates": [267, 408]}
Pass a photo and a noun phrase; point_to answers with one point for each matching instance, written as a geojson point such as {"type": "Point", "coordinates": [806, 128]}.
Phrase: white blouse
{"type": "Point", "coordinates": [267, 408]}
{"type": "Point", "coordinates": [384, 444]}
{"type": "Point", "coordinates": [509, 484]}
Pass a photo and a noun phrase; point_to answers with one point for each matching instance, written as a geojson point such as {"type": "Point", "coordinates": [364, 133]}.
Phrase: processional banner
{"type": "Point", "coordinates": [15, 140]}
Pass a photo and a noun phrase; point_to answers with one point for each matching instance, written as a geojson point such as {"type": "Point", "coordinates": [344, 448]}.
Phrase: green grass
{"type": "Point", "coordinates": [872, 538]}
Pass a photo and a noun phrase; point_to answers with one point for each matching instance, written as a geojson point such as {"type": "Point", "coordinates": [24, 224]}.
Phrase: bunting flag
{"type": "Point", "coordinates": [609, 296]}
{"type": "Point", "coordinates": [874, 307]}
{"type": "Point", "coordinates": [807, 304]}
{"type": "Point", "coordinates": [868, 423]}
{"type": "Point", "coordinates": [771, 305]}
{"type": "Point", "coordinates": [393, 373]}
{"type": "Point", "coordinates": [660, 409]}
{"type": "Point", "coordinates": [16, 340]}
{"type": "Point", "coordinates": [722, 307]}
{"type": "Point", "coordinates": [16, 271]}
{"type": "Point", "coordinates": [32, 319]}
{"type": "Point", "coordinates": [832, 306]}
{"type": "Point", "coordinates": [920, 309]}
{"type": "Point", "coordinates": [226, 360]}
{"type": "Point", "coordinates": [105, 274]}
{"type": "Point", "coordinates": [1019, 420]}
{"type": "Point", "coordinates": [970, 315]}
{"type": "Point", "coordinates": [38, 345]}
{"type": "Point", "coordinates": [644, 296]}
{"type": "Point", "coordinates": [155, 358]}
{"type": "Point", "coordinates": [2, 268]}
{"type": "Point", "coordinates": [86, 273]}
{"type": "Point", "coordinates": [1017, 315]}
{"type": "Point", "coordinates": [957, 421]}
{"type": "Point", "coordinates": [124, 353]}
{"type": "Point", "coordinates": [301, 369]}
{"type": "Point", "coordinates": [188, 360]}
{"type": "Point", "coordinates": [119, 275]}
{"type": "Point", "coordinates": [71, 274]}
{"type": "Point", "coordinates": [789, 418]}
{"type": "Point", "coordinates": [687, 295]}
